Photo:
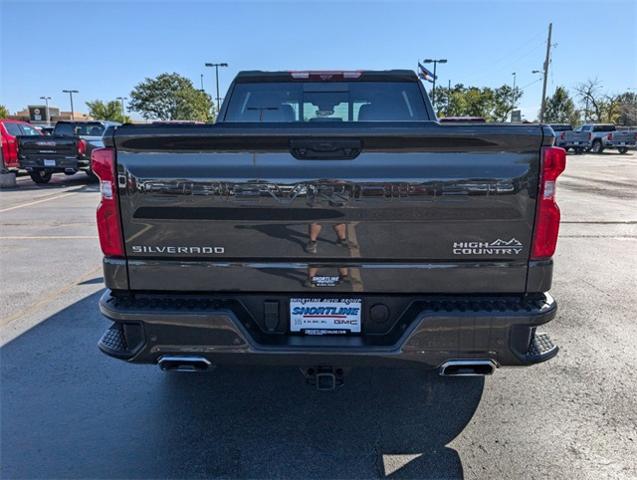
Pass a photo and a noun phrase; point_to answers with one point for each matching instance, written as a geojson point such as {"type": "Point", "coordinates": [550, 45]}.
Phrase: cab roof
{"type": "Point", "coordinates": [258, 76]}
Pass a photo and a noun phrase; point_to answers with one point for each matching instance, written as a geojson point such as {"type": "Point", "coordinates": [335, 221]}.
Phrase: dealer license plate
{"type": "Point", "coordinates": [49, 163]}
{"type": "Point", "coordinates": [325, 316]}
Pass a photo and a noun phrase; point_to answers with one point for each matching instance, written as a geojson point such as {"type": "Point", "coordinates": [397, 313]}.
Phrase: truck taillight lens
{"type": "Point", "coordinates": [81, 147]}
{"type": "Point", "coordinates": [562, 135]}
{"type": "Point", "coordinates": [547, 216]}
{"type": "Point", "coordinates": [610, 136]}
{"type": "Point", "coordinates": [590, 135]}
{"type": "Point", "coordinates": [108, 223]}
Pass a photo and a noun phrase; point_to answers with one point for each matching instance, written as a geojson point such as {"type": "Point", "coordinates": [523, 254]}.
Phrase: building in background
{"type": "Point", "coordinates": [36, 114]}
{"type": "Point", "coordinates": [516, 116]}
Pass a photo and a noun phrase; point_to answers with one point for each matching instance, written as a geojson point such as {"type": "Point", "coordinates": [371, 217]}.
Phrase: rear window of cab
{"type": "Point", "coordinates": [315, 102]}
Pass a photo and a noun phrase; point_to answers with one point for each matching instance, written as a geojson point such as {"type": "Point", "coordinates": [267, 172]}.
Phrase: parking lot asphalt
{"type": "Point", "coordinates": [67, 411]}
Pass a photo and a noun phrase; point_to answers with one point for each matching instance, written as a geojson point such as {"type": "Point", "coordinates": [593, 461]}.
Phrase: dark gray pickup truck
{"type": "Point", "coordinates": [68, 149]}
{"type": "Point", "coordinates": [327, 220]}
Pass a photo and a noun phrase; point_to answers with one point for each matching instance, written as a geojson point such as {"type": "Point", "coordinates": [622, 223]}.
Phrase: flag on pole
{"type": "Point", "coordinates": [425, 74]}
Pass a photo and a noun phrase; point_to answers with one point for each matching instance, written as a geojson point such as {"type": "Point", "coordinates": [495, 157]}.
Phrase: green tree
{"type": "Point", "coordinates": [4, 112]}
{"type": "Point", "coordinates": [170, 96]}
{"type": "Point", "coordinates": [627, 102]}
{"type": "Point", "coordinates": [505, 98]}
{"type": "Point", "coordinates": [560, 108]}
{"type": "Point", "coordinates": [494, 105]}
{"type": "Point", "coordinates": [112, 110]}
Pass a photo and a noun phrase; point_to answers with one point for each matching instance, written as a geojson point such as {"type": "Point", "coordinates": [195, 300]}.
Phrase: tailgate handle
{"type": "Point", "coordinates": [325, 149]}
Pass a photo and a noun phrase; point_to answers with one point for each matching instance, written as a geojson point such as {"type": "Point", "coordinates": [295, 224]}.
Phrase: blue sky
{"type": "Point", "coordinates": [103, 49]}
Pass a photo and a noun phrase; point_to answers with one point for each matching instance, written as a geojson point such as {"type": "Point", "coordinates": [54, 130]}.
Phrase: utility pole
{"type": "Point", "coordinates": [217, 65]}
{"type": "Point", "coordinates": [513, 93]}
{"type": "Point", "coordinates": [435, 62]}
{"type": "Point", "coordinates": [121, 100]}
{"type": "Point", "coordinates": [48, 117]}
{"type": "Point", "coordinates": [201, 78]}
{"type": "Point", "coordinates": [547, 61]}
{"type": "Point", "coordinates": [448, 96]}
{"type": "Point", "coordinates": [71, 92]}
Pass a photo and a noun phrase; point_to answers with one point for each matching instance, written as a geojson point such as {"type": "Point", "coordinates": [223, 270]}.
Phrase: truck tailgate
{"type": "Point", "coordinates": [47, 147]}
{"type": "Point", "coordinates": [423, 208]}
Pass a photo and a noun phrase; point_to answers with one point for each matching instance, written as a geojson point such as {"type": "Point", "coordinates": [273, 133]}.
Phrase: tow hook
{"type": "Point", "coordinates": [324, 378]}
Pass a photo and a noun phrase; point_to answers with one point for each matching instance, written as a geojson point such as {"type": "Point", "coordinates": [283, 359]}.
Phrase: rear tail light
{"type": "Point", "coordinates": [562, 135]}
{"type": "Point", "coordinates": [590, 135]}
{"type": "Point", "coordinates": [610, 136]}
{"type": "Point", "coordinates": [81, 147]}
{"type": "Point", "coordinates": [547, 216]}
{"type": "Point", "coordinates": [108, 225]}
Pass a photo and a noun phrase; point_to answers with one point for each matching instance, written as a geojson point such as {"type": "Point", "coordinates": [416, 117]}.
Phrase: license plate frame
{"type": "Point", "coordinates": [326, 316]}
{"type": "Point", "coordinates": [49, 163]}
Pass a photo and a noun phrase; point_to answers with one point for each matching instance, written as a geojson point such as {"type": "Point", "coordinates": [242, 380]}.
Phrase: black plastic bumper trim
{"type": "Point", "coordinates": [430, 331]}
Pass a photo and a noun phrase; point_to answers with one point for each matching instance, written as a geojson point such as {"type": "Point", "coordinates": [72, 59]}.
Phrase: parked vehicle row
{"type": "Point", "coordinates": [42, 152]}
{"type": "Point", "coordinates": [67, 150]}
{"type": "Point", "coordinates": [594, 138]}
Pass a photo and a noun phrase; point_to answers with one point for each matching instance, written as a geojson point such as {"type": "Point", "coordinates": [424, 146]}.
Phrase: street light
{"type": "Point", "coordinates": [217, 65]}
{"type": "Point", "coordinates": [435, 62]}
{"type": "Point", "coordinates": [71, 92]}
{"type": "Point", "coordinates": [48, 117]}
{"type": "Point", "coordinates": [121, 100]}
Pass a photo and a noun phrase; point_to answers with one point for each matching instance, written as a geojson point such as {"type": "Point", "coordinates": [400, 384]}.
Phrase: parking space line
{"type": "Point", "coordinates": [51, 237]}
{"type": "Point", "coordinates": [15, 207]}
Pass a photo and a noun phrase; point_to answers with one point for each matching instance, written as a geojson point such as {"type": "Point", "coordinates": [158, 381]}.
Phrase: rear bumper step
{"type": "Point", "coordinates": [430, 331]}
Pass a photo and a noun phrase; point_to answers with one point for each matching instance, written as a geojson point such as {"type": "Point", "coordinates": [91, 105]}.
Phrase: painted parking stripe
{"type": "Point", "coordinates": [51, 237]}
{"type": "Point", "coordinates": [15, 207]}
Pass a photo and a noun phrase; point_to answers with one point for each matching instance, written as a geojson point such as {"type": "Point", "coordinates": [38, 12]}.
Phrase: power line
{"type": "Point", "coordinates": [512, 63]}
{"type": "Point", "coordinates": [529, 84]}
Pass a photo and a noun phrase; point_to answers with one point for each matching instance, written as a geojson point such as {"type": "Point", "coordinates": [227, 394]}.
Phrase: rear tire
{"type": "Point", "coordinates": [622, 150]}
{"type": "Point", "coordinates": [41, 176]}
{"type": "Point", "coordinates": [597, 147]}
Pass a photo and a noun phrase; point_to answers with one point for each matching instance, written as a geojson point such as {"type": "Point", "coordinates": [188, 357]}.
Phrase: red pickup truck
{"type": "Point", "coordinates": [9, 130]}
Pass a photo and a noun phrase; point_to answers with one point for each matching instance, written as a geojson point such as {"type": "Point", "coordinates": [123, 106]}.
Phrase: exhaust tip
{"type": "Point", "coordinates": [467, 368]}
{"type": "Point", "coordinates": [183, 363]}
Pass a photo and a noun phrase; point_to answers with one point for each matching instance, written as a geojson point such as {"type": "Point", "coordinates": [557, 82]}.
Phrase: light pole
{"type": "Point", "coordinates": [71, 92]}
{"type": "Point", "coordinates": [217, 65]}
{"type": "Point", "coordinates": [48, 117]}
{"type": "Point", "coordinates": [201, 77]}
{"type": "Point", "coordinates": [435, 62]}
{"type": "Point", "coordinates": [121, 100]}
